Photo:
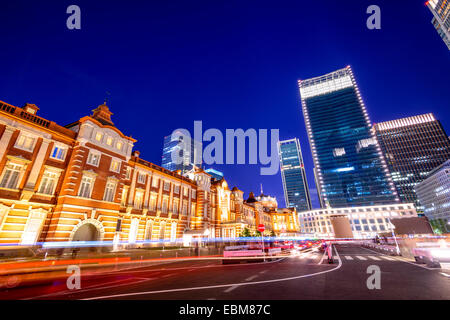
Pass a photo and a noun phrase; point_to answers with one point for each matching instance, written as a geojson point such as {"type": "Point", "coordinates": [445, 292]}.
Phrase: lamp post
{"type": "Point", "coordinates": [395, 239]}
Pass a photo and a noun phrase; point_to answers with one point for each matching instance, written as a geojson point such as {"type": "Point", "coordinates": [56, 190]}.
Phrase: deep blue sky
{"type": "Point", "coordinates": [231, 64]}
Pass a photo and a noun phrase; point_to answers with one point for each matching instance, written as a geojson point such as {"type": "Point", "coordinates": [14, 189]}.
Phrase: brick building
{"type": "Point", "coordinates": [83, 181]}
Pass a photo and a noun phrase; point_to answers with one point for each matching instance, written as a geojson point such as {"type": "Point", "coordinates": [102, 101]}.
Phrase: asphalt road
{"type": "Point", "coordinates": [295, 277]}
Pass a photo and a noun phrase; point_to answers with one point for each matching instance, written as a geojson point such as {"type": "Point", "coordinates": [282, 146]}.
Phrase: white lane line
{"type": "Point", "coordinates": [401, 260]}
{"type": "Point", "coordinates": [374, 258]}
{"type": "Point", "coordinates": [262, 272]}
{"type": "Point", "coordinates": [348, 258]}
{"type": "Point", "coordinates": [91, 288]}
{"type": "Point", "coordinates": [251, 278]}
{"type": "Point", "coordinates": [220, 285]}
{"type": "Point", "coordinates": [323, 256]}
{"type": "Point", "coordinates": [387, 258]}
{"type": "Point", "coordinates": [230, 289]}
{"type": "Point", "coordinates": [361, 258]}
{"type": "Point", "coordinates": [445, 274]}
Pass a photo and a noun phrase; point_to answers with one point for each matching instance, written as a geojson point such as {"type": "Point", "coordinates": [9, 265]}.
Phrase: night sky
{"type": "Point", "coordinates": [231, 64]}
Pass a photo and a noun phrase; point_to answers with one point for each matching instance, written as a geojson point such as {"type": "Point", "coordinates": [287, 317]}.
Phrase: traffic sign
{"type": "Point", "coordinates": [261, 228]}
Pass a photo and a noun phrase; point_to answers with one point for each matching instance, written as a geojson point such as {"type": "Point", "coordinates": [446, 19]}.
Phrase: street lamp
{"type": "Point", "coordinates": [395, 239]}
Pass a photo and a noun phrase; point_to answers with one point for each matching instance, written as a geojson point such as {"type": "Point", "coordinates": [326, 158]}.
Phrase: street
{"type": "Point", "coordinates": [304, 276]}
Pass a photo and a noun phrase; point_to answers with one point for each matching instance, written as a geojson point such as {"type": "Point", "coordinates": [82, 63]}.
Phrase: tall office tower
{"type": "Point", "coordinates": [350, 166]}
{"type": "Point", "coordinates": [412, 147]}
{"type": "Point", "coordinates": [316, 183]}
{"type": "Point", "coordinates": [434, 194]}
{"type": "Point", "coordinates": [188, 149]}
{"type": "Point", "coordinates": [295, 185]}
{"type": "Point", "coordinates": [441, 18]}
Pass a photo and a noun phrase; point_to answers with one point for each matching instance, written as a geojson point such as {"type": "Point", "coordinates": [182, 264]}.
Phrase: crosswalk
{"type": "Point", "coordinates": [367, 258]}
{"type": "Point", "coordinates": [345, 257]}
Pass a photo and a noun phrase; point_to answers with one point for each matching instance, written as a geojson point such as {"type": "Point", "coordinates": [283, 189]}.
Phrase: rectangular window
{"type": "Point", "coordinates": [165, 205]}
{"type": "Point", "coordinates": [138, 199]}
{"type": "Point", "coordinates": [193, 208]}
{"type": "Point", "coordinates": [153, 202]}
{"type": "Point", "coordinates": [155, 182]}
{"type": "Point", "coordinates": [175, 207]}
{"type": "Point", "coordinates": [128, 173]}
{"type": "Point", "coordinates": [58, 153]}
{"type": "Point", "coordinates": [11, 176]}
{"type": "Point", "coordinates": [48, 182]}
{"type": "Point", "coordinates": [194, 194]}
{"type": "Point", "coordinates": [99, 136]}
{"type": "Point", "coordinates": [86, 187]}
{"type": "Point", "coordinates": [184, 208]}
{"type": "Point", "coordinates": [123, 201]}
{"type": "Point", "coordinates": [115, 166]}
{"type": "Point", "coordinates": [110, 190]}
{"type": "Point", "coordinates": [93, 159]}
{"type": "Point", "coordinates": [119, 145]}
{"type": "Point", "coordinates": [176, 189]}
{"type": "Point", "coordinates": [141, 177]}
{"type": "Point", "coordinates": [166, 186]}
{"type": "Point", "coordinates": [109, 141]}
{"type": "Point", "coordinates": [185, 192]}
{"type": "Point", "coordinates": [25, 142]}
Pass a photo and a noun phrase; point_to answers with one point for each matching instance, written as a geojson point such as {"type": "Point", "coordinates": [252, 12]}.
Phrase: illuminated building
{"type": "Point", "coordinates": [295, 185]}
{"type": "Point", "coordinates": [84, 182]}
{"type": "Point", "coordinates": [188, 149]}
{"type": "Point", "coordinates": [215, 174]}
{"type": "Point", "coordinates": [441, 18]}
{"type": "Point", "coordinates": [349, 165]}
{"type": "Point", "coordinates": [434, 193]}
{"type": "Point", "coordinates": [412, 148]}
{"type": "Point", "coordinates": [365, 221]}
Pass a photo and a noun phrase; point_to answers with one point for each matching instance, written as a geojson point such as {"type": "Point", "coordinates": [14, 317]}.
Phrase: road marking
{"type": "Point", "coordinates": [348, 258]}
{"type": "Point", "coordinates": [90, 288]}
{"type": "Point", "coordinates": [402, 260]}
{"type": "Point", "coordinates": [323, 256]}
{"type": "Point", "coordinates": [374, 258]}
{"type": "Point", "coordinates": [220, 285]}
{"type": "Point", "coordinates": [445, 275]}
{"type": "Point", "coordinates": [262, 272]}
{"type": "Point", "coordinates": [361, 258]}
{"type": "Point", "coordinates": [251, 278]}
{"type": "Point", "coordinates": [388, 258]}
{"type": "Point", "coordinates": [230, 289]}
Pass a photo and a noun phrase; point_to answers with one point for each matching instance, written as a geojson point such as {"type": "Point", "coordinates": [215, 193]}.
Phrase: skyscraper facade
{"type": "Point", "coordinates": [412, 148]}
{"type": "Point", "coordinates": [295, 185]}
{"type": "Point", "coordinates": [434, 194]}
{"type": "Point", "coordinates": [441, 18]}
{"type": "Point", "coordinates": [188, 150]}
{"type": "Point", "coordinates": [350, 167]}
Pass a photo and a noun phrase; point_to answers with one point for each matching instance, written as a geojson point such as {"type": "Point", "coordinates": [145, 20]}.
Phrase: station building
{"type": "Point", "coordinates": [84, 182]}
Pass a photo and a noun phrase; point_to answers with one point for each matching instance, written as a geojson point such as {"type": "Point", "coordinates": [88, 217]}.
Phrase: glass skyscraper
{"type": "Point", "coordinates": [441, 18]}
{"type": "Point", "coordinates": [189, 151]}
{"type": "Point", "coordinates": [350, 167]}
{"type": "Point", "coordinates": [295, 185]}
{"type": "Point", "coordinates": [412, 148]}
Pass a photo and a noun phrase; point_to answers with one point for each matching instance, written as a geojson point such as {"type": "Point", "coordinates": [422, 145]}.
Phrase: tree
{"type": "Point", "coordinates": [246, 233]}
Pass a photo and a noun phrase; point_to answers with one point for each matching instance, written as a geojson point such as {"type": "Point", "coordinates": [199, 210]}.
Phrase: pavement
{"type": "Point", "coordinates": [304, 276]}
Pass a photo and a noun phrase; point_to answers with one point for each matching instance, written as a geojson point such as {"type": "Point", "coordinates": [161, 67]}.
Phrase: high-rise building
{"type": "Point", "coordinates": [434, 194]}
{"type": "Point", "coordinates": [412, 148]}
{"type": "Point", "coordinates": [215, 174]}
{"type": "Point", "coordinates": [295, 185]}
{"type": "Point", "coordinates": [350, 167]}
{"type": "Point", "coordinates": [187, 149]}
{"type": "Point", "coordinates": [441, 18]}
